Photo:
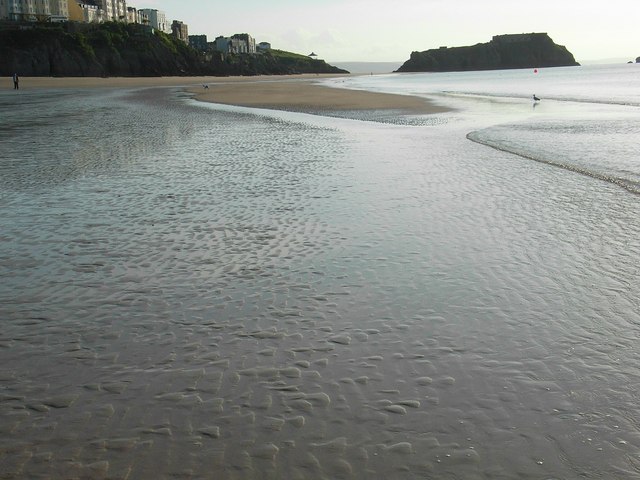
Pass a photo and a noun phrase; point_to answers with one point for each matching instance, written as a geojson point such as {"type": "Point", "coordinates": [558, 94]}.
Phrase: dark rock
{"type": "Point", "coordinates": [502, 52]}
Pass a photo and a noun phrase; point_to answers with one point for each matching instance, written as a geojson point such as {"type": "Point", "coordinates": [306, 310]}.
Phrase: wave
{"type": "Point", "coordinates": [625, 102]}
{"type": "Point", "coordinates": [625, 183]}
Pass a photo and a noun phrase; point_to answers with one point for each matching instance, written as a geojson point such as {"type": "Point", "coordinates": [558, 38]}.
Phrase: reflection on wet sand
{"type": "Point", "coordinates": [203, 293]}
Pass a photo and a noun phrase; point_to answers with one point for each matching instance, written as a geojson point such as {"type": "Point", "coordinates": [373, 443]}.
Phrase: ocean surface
{"type": "Point", "coordinates": [192, 291]}
{"type": "Point", "coordinates": [587, 120]}
{"type": "Point", "coordinates": [358, 68]}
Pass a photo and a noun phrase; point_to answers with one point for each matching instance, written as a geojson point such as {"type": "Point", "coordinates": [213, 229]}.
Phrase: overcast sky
{"type": "Point", "coordinates": [386, 31]}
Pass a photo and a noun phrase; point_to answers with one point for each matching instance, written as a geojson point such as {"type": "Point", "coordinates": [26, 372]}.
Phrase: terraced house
{"type": "Point", "coordinates": [64, 10]}
{"type": "Point", "coordinates": [34, 10]}
{"type": "Point", "coordinates": [114, 10]}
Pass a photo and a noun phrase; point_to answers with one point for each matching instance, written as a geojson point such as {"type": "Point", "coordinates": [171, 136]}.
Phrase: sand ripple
{"type": "Point", "coordinates": [192, 293]}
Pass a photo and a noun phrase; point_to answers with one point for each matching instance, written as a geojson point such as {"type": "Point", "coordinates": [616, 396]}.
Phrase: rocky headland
{"type": "Point", "coordinates": [529, 50]}
{"type": "Point", "coordinates": [129, 50]}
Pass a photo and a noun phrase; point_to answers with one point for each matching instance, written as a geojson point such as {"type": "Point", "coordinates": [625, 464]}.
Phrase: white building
{"type": "Point", "coordinates": [247, 44]}
{"type": "Point", "coordinates": [112, 10]}
{"type": "Point", "coordinates": [135, 15]}
{"type": "Point", "coordinates": [120, 10]}
{"type": "Point", "coordinates": [157, 19]}
{"type": "Point", "coordinates": [59, 8]}
{"type": "Point", "coordinates": [230, 45]}
{"type": "Point", "coordinates": [63, 10]}
{"type": "Point", "coordinates": [238, 43]}
{"type": "Point", "coordinates": [32, 10]}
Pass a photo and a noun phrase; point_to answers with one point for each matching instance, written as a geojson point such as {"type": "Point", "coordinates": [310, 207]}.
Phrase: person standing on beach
{"type": "Point", "coordinates": [16, 82]}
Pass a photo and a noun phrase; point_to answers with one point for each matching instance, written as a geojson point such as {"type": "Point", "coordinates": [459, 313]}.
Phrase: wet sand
{"type": "Point", "coordinates": [305, 95]}
{"type": "Point", "coordinates": [134, 82]}
{"type": "Point", "coordinates": [288, 92]}
{"type": "Point", "coordinates": [194, 293]}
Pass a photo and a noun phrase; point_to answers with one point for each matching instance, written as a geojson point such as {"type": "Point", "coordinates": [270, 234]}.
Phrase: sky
{"type": "Point", "coordinates": [388, 31]}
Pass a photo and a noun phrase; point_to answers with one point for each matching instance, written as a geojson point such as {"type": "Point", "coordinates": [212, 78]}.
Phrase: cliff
{"type": "Point", "coordinates": [502, 52]}
{"type": "Point", "coordinates": [118, 49]}
{"type": "Point", "coordinates": [272, 62]}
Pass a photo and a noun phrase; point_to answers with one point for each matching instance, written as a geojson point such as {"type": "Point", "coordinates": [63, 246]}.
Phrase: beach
{"type": "Point", "coordinates": [306, 95]}
{"type": "Point", "coordinates": [209, 290]}
{"type": "Point", "coordinates": [293, 92]}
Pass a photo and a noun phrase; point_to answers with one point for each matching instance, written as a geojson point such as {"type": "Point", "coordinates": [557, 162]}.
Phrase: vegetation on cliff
{"type": "Point", "coordinates": [272, 62]}
{"type": "Point", "coordinates": [118, 49]}
{"type": "Point", "coordinates": [502, 52]}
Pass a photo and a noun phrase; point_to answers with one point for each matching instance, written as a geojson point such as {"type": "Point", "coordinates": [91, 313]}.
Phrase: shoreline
{"type": "Point", "coordinates": [307, 96]}
{"type": "Point", "coordinates": [286, 92]}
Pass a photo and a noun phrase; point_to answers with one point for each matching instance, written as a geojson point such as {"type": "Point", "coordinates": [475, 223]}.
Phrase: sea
{"type": "Point", "coordinates": [198, 291]}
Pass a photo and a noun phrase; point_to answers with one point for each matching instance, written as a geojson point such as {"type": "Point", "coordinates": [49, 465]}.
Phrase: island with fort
{"type": "Point", "coordinates": [526, 50]}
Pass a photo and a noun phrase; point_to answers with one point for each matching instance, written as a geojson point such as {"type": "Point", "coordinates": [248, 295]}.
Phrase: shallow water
{"type": "Point", "coordinates": [200, 292]}
{"type": "Point", "coordinates": [588, 120]}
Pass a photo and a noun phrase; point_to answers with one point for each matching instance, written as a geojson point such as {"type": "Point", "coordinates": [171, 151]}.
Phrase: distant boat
{"type": "Point", "coordinates": [535, 99]}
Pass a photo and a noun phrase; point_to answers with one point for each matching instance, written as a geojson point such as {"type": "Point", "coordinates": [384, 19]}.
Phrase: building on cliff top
{"type": "Point", "coordinates": [199, 42]}
{"type": "Point", "coordinates": [135, 15]}
{"type": "Point", "coordinates": [82, 12]}
{"type": "Point", "coordinates": [180, 30]}
{"type": "Point", "coordinates": [30, 11]}
{"type": "Point", "coordinates": [113, 10]}
{"type": "Point", "coordinates": [63, 10]}
{"type": "Point", "coordinates": [238, 43]}
{"type": "Point", "coordinates": [157, 19]}
{"type": "Point", "coordinates": [87, 11]}
{"type": "Point", "coordinates": [516, 38]}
